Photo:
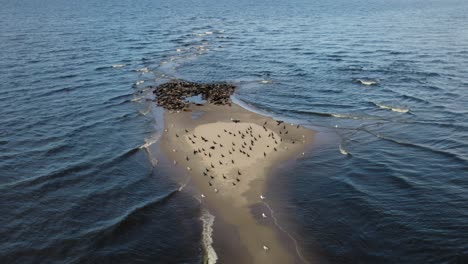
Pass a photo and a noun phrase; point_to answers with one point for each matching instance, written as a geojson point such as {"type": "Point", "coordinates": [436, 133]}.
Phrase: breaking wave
{"type": "Point", "coordinates": [392, 108]}
{"type": "Point", "coordinates": [210, 254]}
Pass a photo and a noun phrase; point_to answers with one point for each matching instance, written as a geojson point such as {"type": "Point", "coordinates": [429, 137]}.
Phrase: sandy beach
{"type": "Point", "coordinates": [228, 152]}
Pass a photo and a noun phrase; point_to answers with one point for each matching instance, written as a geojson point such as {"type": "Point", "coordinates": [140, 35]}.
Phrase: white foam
{"type": "Point", "coordinates": [343, 151]}
{"type": "Point", "coordinates": [136, 99]}
{"type": "Point", "coordinates": [118, 65]}
{"type": "Point", "coordinates": [145, 112]}
{"type": "Point", "coordinates": [139, 82]}
{"type": "Point", "coordinates": [150, 141]}
{"type": "Point", "coordinates": [367, 82]}
{"type": "Point", "coordinates": [393, 108]}
{"type": "Point", "coordinates": [265, 81]}
{"type": "Point", "coordinates": [208, 220]}
{"type": "Point", "coordinates": [341, 116]}
{"type": "Point", "coordinates": [143, 70]}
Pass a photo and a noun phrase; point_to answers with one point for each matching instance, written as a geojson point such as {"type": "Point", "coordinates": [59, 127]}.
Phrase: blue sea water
{"type": "Point", "coordinates": [386, 182]}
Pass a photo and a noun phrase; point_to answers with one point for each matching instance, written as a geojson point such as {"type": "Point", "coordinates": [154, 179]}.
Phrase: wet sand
{"type": "Point", "coordinates": [228, 163]}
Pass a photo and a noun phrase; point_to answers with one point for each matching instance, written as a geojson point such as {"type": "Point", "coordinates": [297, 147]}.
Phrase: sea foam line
{"type": "Point", "coordinates": [275, 221]}
{"type": "Point", "coordinates": [393, 108]}
{"type": "Point", "coordinates": [208, 221]}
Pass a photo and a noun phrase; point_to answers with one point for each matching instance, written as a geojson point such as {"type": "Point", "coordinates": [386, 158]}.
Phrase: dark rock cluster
{"type": "Point", "coordinates": [173, 95]}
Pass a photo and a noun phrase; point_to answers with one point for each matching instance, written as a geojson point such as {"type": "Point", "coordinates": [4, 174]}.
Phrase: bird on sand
{"type": "Point", "coordinates": [262, 197]}
{"type": "Point", "coordinates": [265, 248]}
{"type": "Point", "coordinates": [264, 215]}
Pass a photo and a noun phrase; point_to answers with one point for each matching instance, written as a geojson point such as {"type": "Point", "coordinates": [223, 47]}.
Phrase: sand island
{"type": "Point", "coordinates": [229, 152]}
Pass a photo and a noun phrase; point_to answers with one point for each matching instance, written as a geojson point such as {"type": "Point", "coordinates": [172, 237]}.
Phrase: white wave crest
{"type": "Point", "coordinates": [347, 116]}
{"type": "Point", "coordinates": [137, 99]}
{"type": "Point", "coordinates": [118, 65]}
{"type": "Point", "coordinates": [150, 141]}
{"type": "Point", "coordinates": [339, 115]}
{"type": "Point", "coordinates": [393, 108]}
{"type": "Point", "coordinates": [143, 70]}
{"type": "Point", "coordinates": [367, 82]}
{"type": "Point", "coordinates": [208, 220]}
{"type": "Point", "coordinates": [343, 151]}
{"type": "Point", "coordinates": [145, 112]}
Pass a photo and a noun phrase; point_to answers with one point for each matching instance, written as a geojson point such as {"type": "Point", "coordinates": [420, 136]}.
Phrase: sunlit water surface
{"type": "Point", "coordinates": [384, 82]}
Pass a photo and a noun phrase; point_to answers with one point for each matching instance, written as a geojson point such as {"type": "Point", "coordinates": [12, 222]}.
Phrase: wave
{"type": "Point", "coordinates": [137, 99]}
{"type": "Point", "coordinates": [392, 108]}
{"type": "Point", "coordinates": [143, 70]}
{"type": "Point", "coordinates": [324, 114]}
{"type": "Point", "coordinates": [150, 141]}
{"type": "Point", "coordinates": [59, 90]}
{"type": "Point", "coordinates": [343, 151]}
{"type": "Point", "coordinates": [210, 254]}
{"type": "Point", "coordinates": [57, 149]}
{"type": "Point", "coordinates": [126, 219]}
{"type": "Point", "coordinates": [414, 98]}
{"type": "Point", "coordinates": [118, 65]}
{"type": "Point", "coordinates": [347, 116]}
{"type": "Point", "coordinates": [367, 82]}
{"type": "Point", "coordinates": [45, 177]}
{"type": "Point", "coordinates": [139, 82]}
{"type": "Point", "coordinates": [76, 168]}
{"type": "Point", "coordinates": [422, 147]}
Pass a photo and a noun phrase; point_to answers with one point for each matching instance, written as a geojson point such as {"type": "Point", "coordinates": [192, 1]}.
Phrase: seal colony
{"type": "Point", "coordinates": [228, 152]}
{"type": "Point", "coordinates": [172, 95]}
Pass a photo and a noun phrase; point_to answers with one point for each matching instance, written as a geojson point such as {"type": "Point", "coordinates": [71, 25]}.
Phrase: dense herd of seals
{"type": "Point", "coordinates": [173, 95]}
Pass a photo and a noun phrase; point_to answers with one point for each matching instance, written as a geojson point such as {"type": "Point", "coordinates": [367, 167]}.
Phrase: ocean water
{"type": "Point", "coordinates": [384, 83]}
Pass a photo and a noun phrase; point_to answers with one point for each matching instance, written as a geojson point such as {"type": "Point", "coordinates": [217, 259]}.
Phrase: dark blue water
{"type": "Point", "coordinates": [76, 188]}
